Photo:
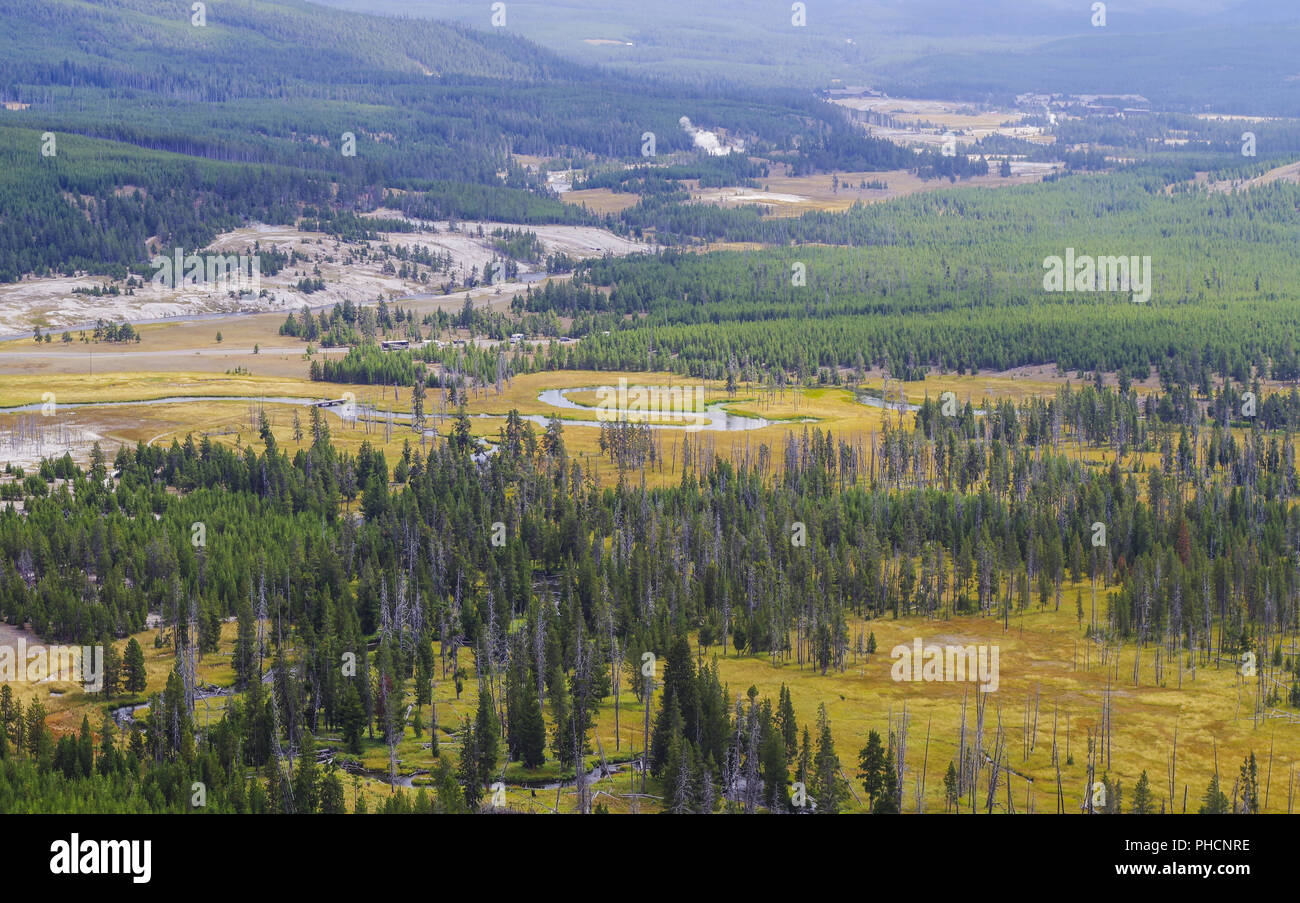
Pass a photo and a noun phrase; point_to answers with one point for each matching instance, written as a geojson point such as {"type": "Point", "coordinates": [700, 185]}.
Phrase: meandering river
{"type": "Point", "coordinates": [714, 418]}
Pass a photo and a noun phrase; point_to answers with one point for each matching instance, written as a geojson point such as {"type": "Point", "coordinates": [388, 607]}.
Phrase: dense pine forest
{"type": "Point", "coordinates": [329, 555]}
{"type": "Point", "coordinates": [954, 281]}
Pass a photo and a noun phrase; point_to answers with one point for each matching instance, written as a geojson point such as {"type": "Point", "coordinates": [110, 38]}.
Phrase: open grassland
{"type": "Point", "coordinates": [601, 200]}
{"type": "Point", "coordinates": [1044, 660]}
{"type": "Point", "coordinates": [144, 386]}
{"type": "Point", "coordinates": [787, 195]}
{"type": "Point", "coordinates": [833, 408]}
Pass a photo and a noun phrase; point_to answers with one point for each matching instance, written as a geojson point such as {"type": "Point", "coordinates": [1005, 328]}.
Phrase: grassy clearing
{"type": "Point", "coordinates": [833, 408]}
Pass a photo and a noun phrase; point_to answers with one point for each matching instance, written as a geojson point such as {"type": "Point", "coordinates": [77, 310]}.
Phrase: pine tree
{"type": "Point", "coordinates": [1249, 786]}
{"type": "Point", "coordinates": [804, 769]}
{"type": "Point", "coordinates": [789, 727]}
{"type": "Point", "coordinates": [871, 762]}
{"type": "Point", "coordinates": [680, 685]}
{"type": "Point", "coordinates": [679, 796]}
{"type": "Point", "coordinates": [487, 734]}
{"type": "Point", "coordinates": [532, 727]}
{"type": "Point", "coordinates": [306, 780]}
{"type": "Point", "coordinates": [668, 724]}
{"type": "Point", "coordinates": [950, 789]}
{"type": "Point", "coordinates": [108, 754]}
{"type": "Point", "coordinates": [887, 802]}
{"type": "Point", "coordinates": [776, 771]}
{"type": "Point", "coordinates": [37, 734]}
{"type": "Point", "coordinates": [19, 735]}
{"type": "Point", "coordinates": [133, 667]}
{"type": "Point", "coordinates": [1215, 801]}
{"type": "Point", "coordinates": [434, 751]}
{"type": "Point", "coordinates": [828, 787]}
{"type": "Point", "coordinates": [112, 670]}
{"type": "Point", "coordinates": [1142, 803]}
{"type": "Point", "coordinates": [7, 707]}
{"type": "Point", "coordinates": [135, 746]}
{"type": "Point", "coordinates": [245, 657]}
{"type": "Point", "coordinates": [352, 717]}
{"type": "Point", "coordinates": [450, 798]}
{"type": "Point", "coordinates": [86, 748]}
{"type": "Point", "coordinates": [467, 770]}
{"type": "Point", "coordinates": [561, 742]}
{"type": "Point", "coordinates": [331, 794]}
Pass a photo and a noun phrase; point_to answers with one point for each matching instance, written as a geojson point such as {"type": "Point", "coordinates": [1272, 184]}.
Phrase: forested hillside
{"type": "Point", "coordinates": [954, 280]}
{"type": "Point", "coordinates": [273, 86]}
{"type": "Point", "coordinates": [1240, 53]}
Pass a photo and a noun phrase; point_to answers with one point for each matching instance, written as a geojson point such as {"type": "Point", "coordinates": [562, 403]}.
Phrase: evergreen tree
{"type": "Point", "coordinates": [871, 764]}
{"type": "Point", "coordinates": [950, 782]}
{"type": "Point", "coordinates": [1142, 803]}
{"type": "Point", "coordinates": [532, 727]}
{"type": "Point", "coordinates": [776, 771]}
{"type": "Point", "coordinates": [108, 754]}
{"type": "Point", "coordinates": [86, 748]}
{"type": "Point", "coordinates": [487, 735]}
{"type": "Point", "coordinates": [450, 797]}
{"type": "Point", "coordinates": [8, 709]}
{"type": "Point", "coordinates": [828, 786]}
{"type": "Point", "coordinates": [1215, 801]}
{"type": "Point", "coordinates": [133, 667]}
{"type": "Point", "coordinates": [679, 794]}
{"type": "Point", "coordinates": [804, 769]}
{"type": "Point", "coordinates": [561, 742]}
{"type": "Point", "coordinates": [40, 744]}
{"type": "Point", "coordinates": [467, 770]}
{"type": "Point", "coordinates": [1249, 786]}
{"type": "Point", "coordinates": [786, 717]}
{"type": "Point", "coordinates": [668, 724]}
{"type": "Point", "coordinates": [112, 670]}
{"type": "Point", "coordinates": [352, 717]}
{"type": "Point", "coordinates": [306, 780]}
{"type": "Point", "coordinates": [887, 802]}
{"type": "Point", "coordinates": [245, 657]}
{"type": "Point", "coordinates": [680, 685]}
{"type": "Point", "coordinates": [331, 794]}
